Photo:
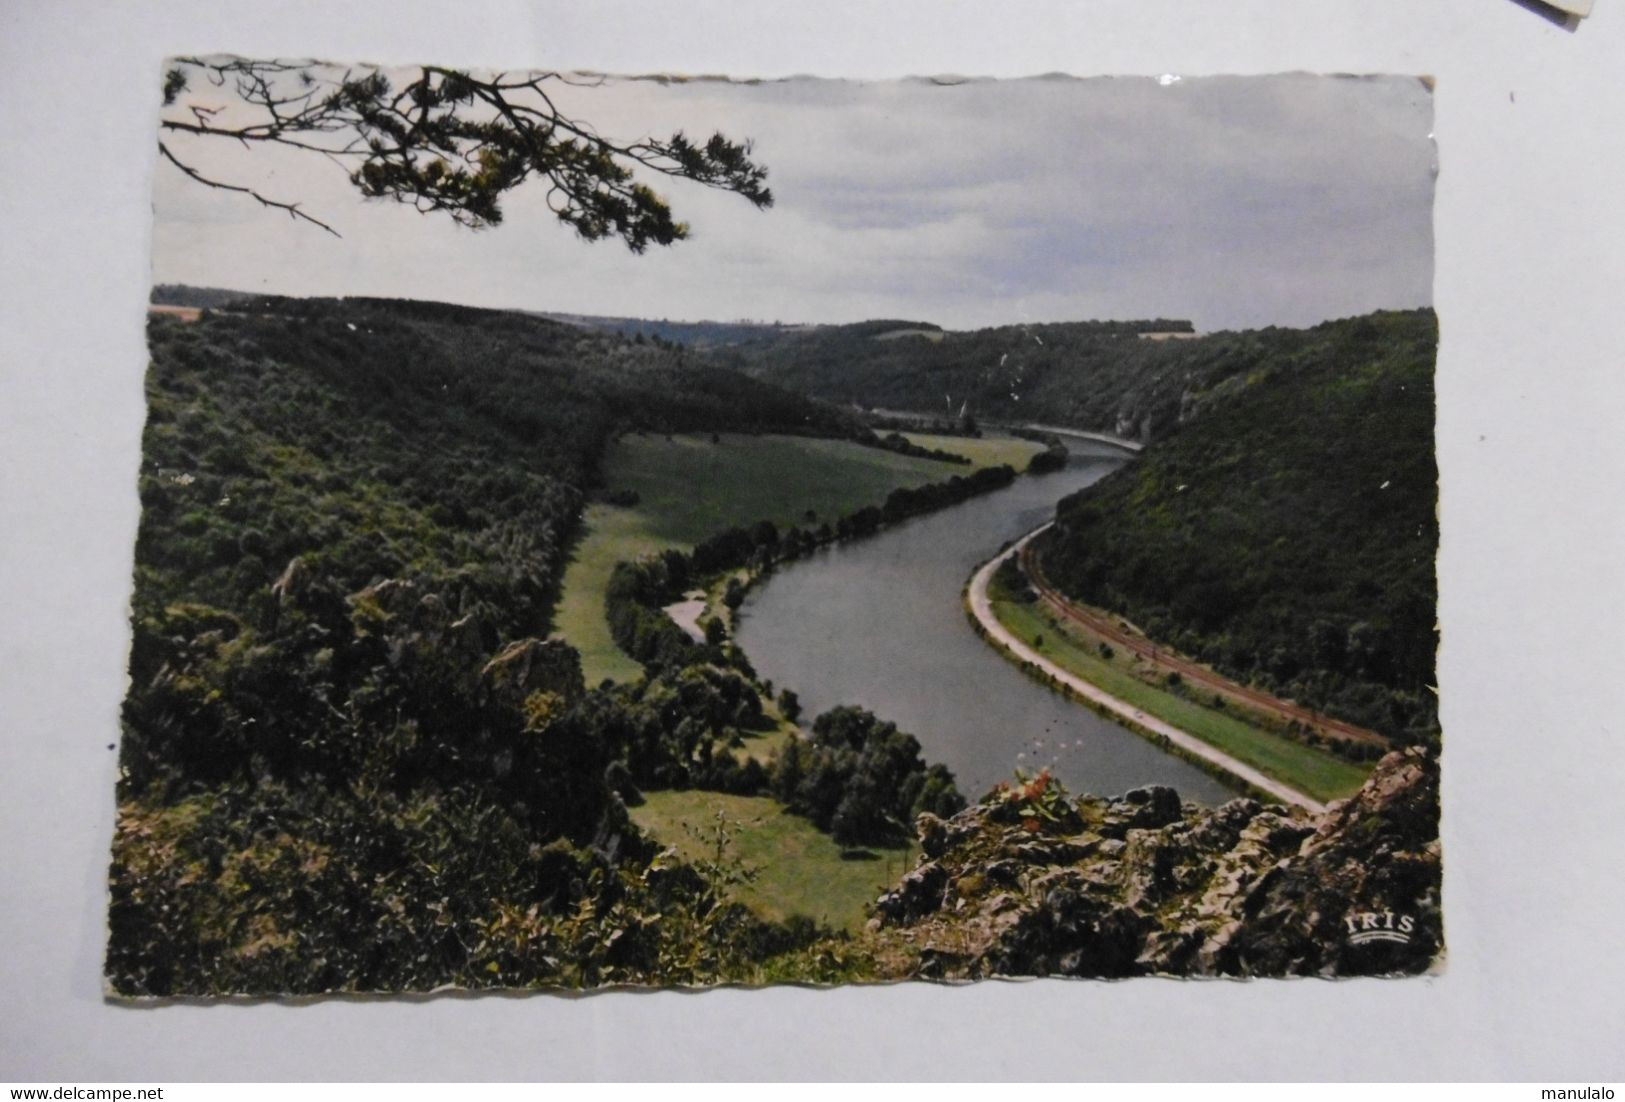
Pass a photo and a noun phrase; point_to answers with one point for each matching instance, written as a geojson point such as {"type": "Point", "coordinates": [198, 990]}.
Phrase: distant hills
{"type": "Point", "coordinates": [1087, 374]}
{"type": "Point", "coordinates": [180, 294]}
{"type": "Point", "coordinates": [1101, 375]}
{"type": "Point", "coordinates": [698, 334]}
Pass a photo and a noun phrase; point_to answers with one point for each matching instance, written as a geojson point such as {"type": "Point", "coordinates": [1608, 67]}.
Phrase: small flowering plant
{"type": "Point", "coordinates": [1037, 801]}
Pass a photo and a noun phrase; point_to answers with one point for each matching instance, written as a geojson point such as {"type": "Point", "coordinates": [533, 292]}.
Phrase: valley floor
{"type": "Point", "coordinates": [691, 486]}
{"type": "Point", "coordinates": [688, 488]}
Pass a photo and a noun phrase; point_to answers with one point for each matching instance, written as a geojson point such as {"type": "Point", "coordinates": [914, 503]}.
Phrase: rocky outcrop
{"type": "Point", "coordinates": [1032, 882]}
{"type": "Point", "coordinates": [293, 582]}
{"type": "Point", "coordinates": [535, 666]}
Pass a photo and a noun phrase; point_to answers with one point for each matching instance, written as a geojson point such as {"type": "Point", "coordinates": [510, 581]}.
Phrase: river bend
{"type": "Point", "coordinates": [879, 623]}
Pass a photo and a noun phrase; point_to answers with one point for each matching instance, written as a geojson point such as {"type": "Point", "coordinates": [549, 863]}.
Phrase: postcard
{"type": "Point", "coordinates": [660, 531]}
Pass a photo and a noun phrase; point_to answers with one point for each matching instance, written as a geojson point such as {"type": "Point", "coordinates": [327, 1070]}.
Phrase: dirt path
{"type": "Point", "coordinates": [686, 614]}
{"type": "Point", "coordinates": [1107, 628]}
{"type": "Point", "coordinates": [982, 608]}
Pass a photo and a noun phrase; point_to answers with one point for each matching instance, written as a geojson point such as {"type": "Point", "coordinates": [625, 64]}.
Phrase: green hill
{"type": "Point", "coordinates": [1095, 375]}
{"type": "Point", "coordinates": [1286, 532]}
{"type": "Point", "coordinates": [441, 444]}
{"type": "Point", "coordinates": [350, 759]}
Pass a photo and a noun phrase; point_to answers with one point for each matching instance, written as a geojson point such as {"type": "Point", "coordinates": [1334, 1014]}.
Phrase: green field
{"type": "Point", "coordinates": [799, 870]}
{"type": "Point", "coordinates": [984, 451]}
{"type": "Point", "coordinates": [765, 745]}
{"type": "Point", "coordinates": [1315, 772]}
{"type": "Point", "coordinates": [612, 535]}
{"type": "Point", "coordinates": [690, 488]}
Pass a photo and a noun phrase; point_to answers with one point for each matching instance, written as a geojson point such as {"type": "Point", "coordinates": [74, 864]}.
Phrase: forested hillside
{"type": "Point", "coordinates": [350, 758]}
{"type": "Point", "coordinates": [1095, 375]}
{"type": "Point", "coordinates": [390, 439]}
{"type": "Point", "coordinates": [1286, 534]}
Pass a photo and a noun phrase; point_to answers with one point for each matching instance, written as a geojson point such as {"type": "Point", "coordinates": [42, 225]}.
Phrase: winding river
{"type": "Point", "coordinates": [879, 623]}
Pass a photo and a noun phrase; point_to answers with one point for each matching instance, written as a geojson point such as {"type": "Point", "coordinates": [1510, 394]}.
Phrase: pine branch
{"type": "Point", "coordinates": [292, 208]}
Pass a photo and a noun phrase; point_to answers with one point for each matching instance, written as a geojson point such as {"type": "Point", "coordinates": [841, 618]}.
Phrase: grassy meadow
{"type": "Point", "coordinates": [1315, 772]}
{"type": "Point", "coordinates": [798, 869]}
{"type": "Point", "coordinates": [983, 451]}
{"type": "Point", "coordinates": [689, 488]}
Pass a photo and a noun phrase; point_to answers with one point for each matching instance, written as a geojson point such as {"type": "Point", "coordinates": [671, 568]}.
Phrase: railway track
{"type": "Point", "coordinates": [1118, 636]}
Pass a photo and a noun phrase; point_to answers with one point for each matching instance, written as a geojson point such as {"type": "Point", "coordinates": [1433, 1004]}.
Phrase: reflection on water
{"type": "Point", "coordinates": [879, 623]}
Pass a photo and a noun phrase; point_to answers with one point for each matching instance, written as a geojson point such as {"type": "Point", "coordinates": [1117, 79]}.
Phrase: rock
{"type": "Point", "coordinates": [1058, 851]}
{"type": "Point", "coordinates": [534, 665]}
{"type": "Point", "coordinates": [1220, 829]}
{"type": "Point", "coordinates": [1005, 873]}
{"type": "Point", "coordinates": [1153, 806]}
{"type": "Point", "coordinates": [1275, 834]}
{"type": "Point", "coordinates": [432, 615]}
{"type": "Point", "coordinates": [466, 638]}
{"type": "Point", "coordinates": [293, 583]}
{"type": "Point", "coordinates": [938, 835]}
{"type": "Point", "coordinates": [1157, 795]}
{"type": "Point", "coordinates": [390, 596]}
{"type": "Point", "coordinates": [1153, 886]}
{"type": "Point", "coordinates": [381, 609]}
{"type": "Point", "coordinates": [1002, 902]}
{"type": "Point", "coordinates": [1169, 952]}
{"type": "Point", "coordinates": [1360, 896]}
{"type": "Point", "coordinates": [917, 894]}
{"type": "Point", "coordinates": [1237, 813]}
{"type": "Point", "coordinates": [1072, 934]}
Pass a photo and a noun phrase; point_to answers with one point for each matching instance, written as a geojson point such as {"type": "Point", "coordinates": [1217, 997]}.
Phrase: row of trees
{"type": "Point", "coordinates": [639, 591]}
{"type": "Point", "coordinates": [634, 604]}
{"type": "Point", "coordinates": [902, 445]}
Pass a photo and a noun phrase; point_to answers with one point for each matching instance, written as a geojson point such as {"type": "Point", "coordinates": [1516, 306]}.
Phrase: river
{"type": "Point", "coordinates": [879, 623]}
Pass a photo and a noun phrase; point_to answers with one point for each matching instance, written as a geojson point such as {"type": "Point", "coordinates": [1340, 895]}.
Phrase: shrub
{"type": "Point", "coordinates": [861, 779]}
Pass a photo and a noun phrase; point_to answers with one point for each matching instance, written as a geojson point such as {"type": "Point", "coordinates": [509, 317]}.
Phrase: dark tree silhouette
{"type": "Point", "coordinates": [446, 140]}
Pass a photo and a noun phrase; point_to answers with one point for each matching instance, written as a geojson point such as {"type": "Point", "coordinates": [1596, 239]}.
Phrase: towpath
{"type": "Point", "coordinates": [981, 607]}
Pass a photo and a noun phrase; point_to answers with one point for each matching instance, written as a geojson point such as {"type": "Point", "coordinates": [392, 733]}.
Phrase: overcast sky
{"type": "Point", "coordinates": [1231, 201]}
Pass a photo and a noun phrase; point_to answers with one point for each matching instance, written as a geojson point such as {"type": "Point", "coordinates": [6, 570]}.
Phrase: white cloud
{"type": "Point", "coordinates": [1232, 201]}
